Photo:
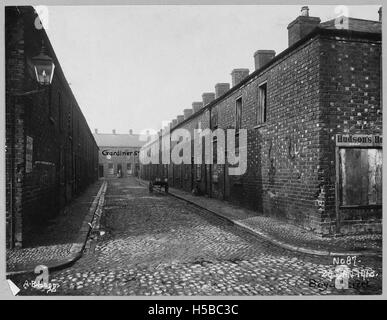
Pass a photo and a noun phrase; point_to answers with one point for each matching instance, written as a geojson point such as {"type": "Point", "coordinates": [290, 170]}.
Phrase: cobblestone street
{"type": "Point", "coordinates": [154, 244]}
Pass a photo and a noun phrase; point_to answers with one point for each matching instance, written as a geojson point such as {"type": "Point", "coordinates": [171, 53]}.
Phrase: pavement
{"type": "Point", "coordinates": [154, 244]}
{"type": "Point", "coordinates": [283, 234]}
{"type": "Point", "coordinates": [62, 241]}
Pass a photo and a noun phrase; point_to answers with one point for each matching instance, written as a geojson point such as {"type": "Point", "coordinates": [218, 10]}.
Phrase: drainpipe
{"type": "Point", "coordinates": [11, 200]}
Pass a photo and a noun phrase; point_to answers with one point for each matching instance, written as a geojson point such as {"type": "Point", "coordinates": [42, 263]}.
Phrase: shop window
{"type": "Point", "coordinates": [360, 176]}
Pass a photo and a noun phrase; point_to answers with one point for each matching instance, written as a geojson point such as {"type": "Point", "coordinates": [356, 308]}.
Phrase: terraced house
{"type": "Point", "coordinates": [313, 115]}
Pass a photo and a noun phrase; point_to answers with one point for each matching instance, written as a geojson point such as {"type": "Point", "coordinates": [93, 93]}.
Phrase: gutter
{"type": "Point", "coordinates": [318, 31]}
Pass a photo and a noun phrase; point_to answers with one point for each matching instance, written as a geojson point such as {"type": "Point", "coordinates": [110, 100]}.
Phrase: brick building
{"type": "Point", "coordinates": [51, 155]}
{"type": "Point", "coordinates": [314, 124]}
{"type": "Point", "coordinates": [118, 153]}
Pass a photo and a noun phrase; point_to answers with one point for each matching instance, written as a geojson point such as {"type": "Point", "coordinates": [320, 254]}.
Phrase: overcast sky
{"type": "Point", "coordinates": [131, 67]}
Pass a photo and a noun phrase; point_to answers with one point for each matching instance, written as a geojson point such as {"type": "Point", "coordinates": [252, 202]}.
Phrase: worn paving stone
{"type": "Point", "coordinates": [157, 245]}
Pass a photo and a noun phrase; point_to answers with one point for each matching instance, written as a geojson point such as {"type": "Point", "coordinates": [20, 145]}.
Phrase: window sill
{"type": "Point", "coordinates": [261, 125]}
{"type": "Point", "coordinates": [364, 206]}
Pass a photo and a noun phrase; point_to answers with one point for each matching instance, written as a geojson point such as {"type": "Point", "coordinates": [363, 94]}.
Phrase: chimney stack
{"type": "Point", "coordinates": [196, 106]}
{"type": "Point", "coordinates": [237, 75]}
{"type": "Point", "coordinates": [96, 130]}
{"type": "Point", "coordinates": [114, 131]}
{"type": "Point", "coordinates": [221, 89]}
{"type": "Point", "coordinates": [173, 123]}
{"type": "Point", "coordinates": [180, 118]}
{"type": "Point", "coordinates": [208, 97]}
{"type": "Point", "coordinates": [187, 113]}
{"type": "Point", "coordinates": [262, 57]}
{"type": "Point", "coordinates": [380, 14]}
{"type": "Point", "coordinates": [305, 11]}
{"type": "Point", "coordinates": [301, 26]}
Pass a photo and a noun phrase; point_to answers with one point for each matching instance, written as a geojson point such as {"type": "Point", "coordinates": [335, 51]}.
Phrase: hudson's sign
{"type": "Point", "coordinates": [359, 140]}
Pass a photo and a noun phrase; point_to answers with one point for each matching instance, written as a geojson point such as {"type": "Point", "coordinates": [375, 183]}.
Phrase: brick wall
{"type": "Point", "coordinates": [64, 152]}
{"type": "Point", "coordinates": [350, 81]}
{"type": "Point", "coordinates": [324, 86]}
{"type": "Point", "coordinates": [282, 153]}
{"type": "Point", "coordinates": [14, 55]}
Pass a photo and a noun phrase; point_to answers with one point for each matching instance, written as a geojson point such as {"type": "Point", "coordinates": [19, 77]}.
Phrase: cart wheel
{"type": "Point", "coordinates": [150, 187]}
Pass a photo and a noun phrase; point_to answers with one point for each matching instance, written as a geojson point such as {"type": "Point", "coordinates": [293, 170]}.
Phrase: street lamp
{"type": "Point", "coordinates": [44, 67]}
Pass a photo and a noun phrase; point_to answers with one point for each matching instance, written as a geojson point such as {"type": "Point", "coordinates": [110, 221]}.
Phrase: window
{"type": "Point", "coordinates": [165, 170]}
{"type": "Point", "coordinates": [215, 150]}
{"type": "Point", "coordinates": [198, 172]}
{"type": "Point", "coordinates": [214, 119]}
{"type": "Point", "coordinates": [215, 160]}
{"type": "Point", "coordinates": [238, 113]}
{"type": "Point", "coordinates": [262, 103]}
{"type": "Point", "coordinates": [360, 176]}
{"type": "Point", "coordinates": [215, 176]}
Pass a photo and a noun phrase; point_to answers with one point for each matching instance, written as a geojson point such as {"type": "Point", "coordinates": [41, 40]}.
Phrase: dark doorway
{"type": "Point", "coordinates": [119, 170]}
{"type": "Point", "coordinates": [192, 173]}
{"type": "Point", "coordinates": [100, 171]}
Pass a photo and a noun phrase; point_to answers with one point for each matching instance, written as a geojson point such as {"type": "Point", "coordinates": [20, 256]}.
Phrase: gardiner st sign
{"type": "Point", "coordinates": [119, 153]}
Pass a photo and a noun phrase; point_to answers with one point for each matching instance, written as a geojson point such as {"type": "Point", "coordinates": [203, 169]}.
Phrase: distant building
{"type": "Point", "coordinates": [118, 154]}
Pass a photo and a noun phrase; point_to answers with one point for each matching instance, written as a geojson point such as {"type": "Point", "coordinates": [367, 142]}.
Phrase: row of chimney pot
{"type": "Point", "coordinates": [297, 30]}
{"type": "Point", "coordinates": [196, 106]}
{"type": "Point", "coordinates": [261, 57]}
{"type": "Point", "coordinates": [180, 118]}
{"type": "Point", "coordinates": [221, 89]}
{"type": "Point", "coordinates": [113, 131]}
{"type": "Point", "coordinates": [207, 98]}
{"type": "Point", "coordinates": [187, 113]}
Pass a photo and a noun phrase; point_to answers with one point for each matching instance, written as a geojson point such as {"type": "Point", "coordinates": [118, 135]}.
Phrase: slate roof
{"type": "Point", "coordinates": [118, 140]}
{"type": "Point", "coordinates": [353, 24]}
